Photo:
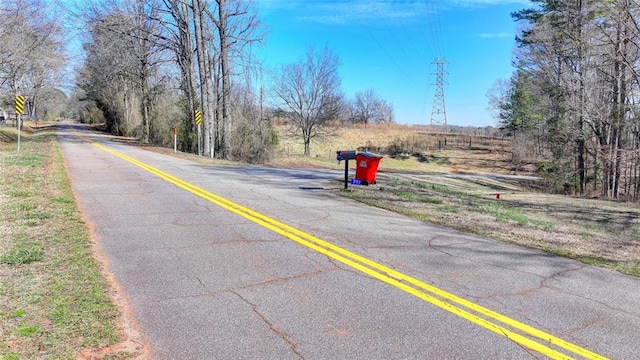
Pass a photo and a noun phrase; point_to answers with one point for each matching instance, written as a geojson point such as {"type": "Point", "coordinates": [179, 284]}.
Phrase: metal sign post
{"type": "Point", "coordinates": [199, 142]}
{"type": "Point", "coordinates": [175, 140]}
{"type": "Point", "coordinates": [19, 126]}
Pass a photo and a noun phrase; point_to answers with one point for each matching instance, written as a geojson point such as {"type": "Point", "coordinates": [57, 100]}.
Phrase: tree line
{"type": "Point", "coordinates": [148, 65]}
{"type": "Point", "coordinates": [32, 59]}
{"type": "Point", "coordinates": [152, 63]}
{"type": "Point", "coordinates": [573, 98]}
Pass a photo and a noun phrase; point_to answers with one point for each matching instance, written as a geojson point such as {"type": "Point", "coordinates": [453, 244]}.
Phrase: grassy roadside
{"type": "Point", "coordinates": [54, 300]}
{"type": "Point", "coordinates": [595, 232]}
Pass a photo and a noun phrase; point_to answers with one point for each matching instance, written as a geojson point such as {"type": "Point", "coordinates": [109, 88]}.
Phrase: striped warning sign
{"type": "Point", "coordinates": [20, 99]}
{"type": "Point", "coordinates": [198, 117]}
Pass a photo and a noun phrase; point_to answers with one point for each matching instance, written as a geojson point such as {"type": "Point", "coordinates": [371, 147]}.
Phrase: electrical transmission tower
{"type": "Point", "coordinates": [439, 111]}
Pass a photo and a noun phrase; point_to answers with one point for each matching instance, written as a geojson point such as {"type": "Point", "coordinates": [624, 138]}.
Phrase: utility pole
{"type": "Point", "coordinates": [439, 111]}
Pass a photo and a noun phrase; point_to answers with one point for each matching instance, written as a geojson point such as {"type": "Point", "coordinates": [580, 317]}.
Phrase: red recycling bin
{"type": "Point", "coordinates": [367, 167]}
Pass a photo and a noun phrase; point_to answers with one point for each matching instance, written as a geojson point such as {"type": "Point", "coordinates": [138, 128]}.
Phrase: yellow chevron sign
{"type": "Point", "coordinates": [198, 117]}
{"type": "Point", "coordinates": [20, 99]}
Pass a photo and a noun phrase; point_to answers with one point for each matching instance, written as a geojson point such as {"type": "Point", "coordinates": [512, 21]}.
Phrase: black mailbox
{"type": "Point", "coordinates": [345, 155]}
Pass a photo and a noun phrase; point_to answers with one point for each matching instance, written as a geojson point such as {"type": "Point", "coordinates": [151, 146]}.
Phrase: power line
{"type": "Point", "coordinates": [408, 37]}
{"type": "Point", "coordinates": [389, 56]}
{"type": "Point", "coordinates": [387, 26]}
{"type": "Point", "coordinates": [429, 10]}
{"type": "Point", "coordinates": [385, 50]}
{"type": "Point", "coordinates": [437, 29]}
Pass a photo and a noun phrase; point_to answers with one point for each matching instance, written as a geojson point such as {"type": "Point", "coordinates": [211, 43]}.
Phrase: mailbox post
{"type": "Point", "coordinates": [346, 155]}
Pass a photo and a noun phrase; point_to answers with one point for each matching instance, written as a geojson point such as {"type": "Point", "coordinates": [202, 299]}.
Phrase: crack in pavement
{"type": "Point", "coordinates": [205, 205]}
{"type": "Point", "coordinates": [389, 247]}
{"type": "Point", "coordinates": [532, 353]}
{"type": "Point", "coordinates": [434, 247]}
{"type": "Point", "coordinates": [541, 285]}
{"type": "Point", "coordinates": [283, 335]}
{"type": "Point", "coordinates": [196, 246]}
{"type": "Point", "coordinates": [283, 279]}
{"type": "Point", "coordinates": [201, 283]}
{"type": "Point", "coordinates": [432, 239]}
{"type": "Point", "coordinates": [340, 266]}
{"type": "Point", "coordinates": [558, 273]}
{"type": "Point", "coordinates": [404, 268]}
{"type": "Point", "coordinates": [308, 254]}
{"type": "Point", "coordinates": [288, 206]}
{"type": "Point", "coordinates": [247, 286]}
{"type": "Point", "coordinates": [226, 242]}
{"type": "Point", "coordinates": [314, 219]}
{"type": "Point", "coordinates": [587, 325]}
{"type": "Point", "coordinates": [608, 306]}
{"type": "Point", "coordinates": [181, 221]}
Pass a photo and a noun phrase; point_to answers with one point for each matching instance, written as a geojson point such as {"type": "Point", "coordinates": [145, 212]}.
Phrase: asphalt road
{"type": "Point", "coordinates": [212, 271]}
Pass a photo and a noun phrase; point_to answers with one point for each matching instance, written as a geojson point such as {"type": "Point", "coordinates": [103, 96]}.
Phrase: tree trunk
{"type": "Point", "coordinates": [581, 98]}
{"type": "Point", "coordinates": [226, 80]}
{"type": "Point", "coordinates": [184, 54]}
{"type": "Point", "coordinates": [307, 147]}
{"type": "Point", "coordinates": [145, 101]}
{"type": "Point", "coordinates": [204, 70]}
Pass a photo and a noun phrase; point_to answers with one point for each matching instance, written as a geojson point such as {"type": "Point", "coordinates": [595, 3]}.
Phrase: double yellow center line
{"type": "Point", "coordinates": [515, 331]}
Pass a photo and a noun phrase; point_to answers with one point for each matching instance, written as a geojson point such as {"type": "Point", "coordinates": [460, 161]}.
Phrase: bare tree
{"type": "Point", "coordinates": [182, 46]}
{"type": "Point", "coordinates": [368, 107]}
{"type": "Point", "coordinates": [207, 40]}
{"type": "Point", "coordinates": [238, 27]}
{"type": "Point", "coordinates": [31, 59]}
{"type": "Point", "coordinates": [106, 74]}
{"type": "Point", "coordinates": [497, 96]}
{"type": "Point", "coordinates": [202, 34]}
{"type": "Point", "coordinates": [221, 31]}
{"type": "Point", "coordinates": [145, 51]}
{"type": "Point", "coordinates": [308, 92]}
{"type": "Point", "coordinates": [385, 113]}
{"type": "Point", "coordinates": [126, 37]}
{"type": "Point", "coordinates": [253, 136]}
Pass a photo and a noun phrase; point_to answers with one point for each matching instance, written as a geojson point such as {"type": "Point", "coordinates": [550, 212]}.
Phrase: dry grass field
{"type": "Point", "coordinates": [417, 150]}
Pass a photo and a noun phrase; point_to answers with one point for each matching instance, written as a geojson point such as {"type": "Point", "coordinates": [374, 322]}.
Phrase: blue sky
{"type": "Point", "coordinates": [390, 46]}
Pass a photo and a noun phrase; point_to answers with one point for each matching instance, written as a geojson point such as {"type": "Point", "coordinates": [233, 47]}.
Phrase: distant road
{"type": "Point", "coordinates": [480, 176]}
{"type": "Point", "coordinates": [225, 262]}
{"type": "Point", "coordinates": [308, 175]}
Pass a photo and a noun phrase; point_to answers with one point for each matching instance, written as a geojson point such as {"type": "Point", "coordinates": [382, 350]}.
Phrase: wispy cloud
{"type": "Point", "coordinates": [351, 11]}
{"type": "Point", "coordinates": [479, 3]}
{"type": "Point", "coordinates": [496, 35]}
{"type": "Point", "coordinates": [339, 12]}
